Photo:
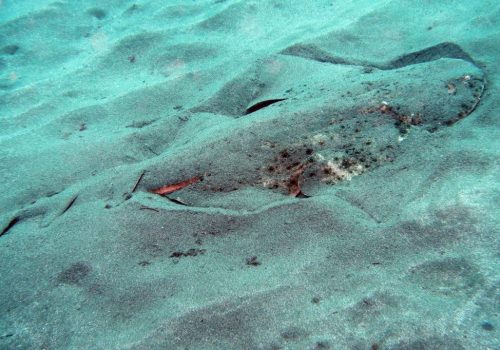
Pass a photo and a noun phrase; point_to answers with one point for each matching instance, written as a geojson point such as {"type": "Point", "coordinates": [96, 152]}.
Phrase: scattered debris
{"type": "Point", "coordinates": [190, 252]}
{"type": "Point", "coordinates": [287, 171]}
{"type": "Point", "coordinates": [452, 89]}
{"type": "Point", "coordinates": [385, 108]}
{"type": "Point", "coordinates": [252, 261]}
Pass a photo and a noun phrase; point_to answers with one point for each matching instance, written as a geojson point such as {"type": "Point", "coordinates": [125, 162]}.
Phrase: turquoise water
{"type": "Point", "coordinates": [249, 175]}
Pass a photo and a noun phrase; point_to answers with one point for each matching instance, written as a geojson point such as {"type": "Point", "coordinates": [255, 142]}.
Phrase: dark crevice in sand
{"type": "Point", "coordinates": [176, 201]}
{"type": "Point", "coordinates": [138, 181]}
{"type": "Point", "coordinates": [11, 224]}
{"type": "Point", "coordinates": [69, 204]}
{"type": "Point", "coordinates": [262, 104]}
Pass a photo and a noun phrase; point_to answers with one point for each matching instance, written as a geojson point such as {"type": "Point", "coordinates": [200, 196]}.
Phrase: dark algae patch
{"type": "Point", "coordinates": [190, 252]}
{"type": "Point", "coordinates": [75, 273]}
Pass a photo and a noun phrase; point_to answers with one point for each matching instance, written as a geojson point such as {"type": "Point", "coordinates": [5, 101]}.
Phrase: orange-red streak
{"type": "Point", "coordinates": [295, 180]}
{"type": "Point", "coordinates": [175, 187]}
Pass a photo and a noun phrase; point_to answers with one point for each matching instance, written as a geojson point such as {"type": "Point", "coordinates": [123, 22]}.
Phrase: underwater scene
{"type": "Point", "coordinates": [254, 175]}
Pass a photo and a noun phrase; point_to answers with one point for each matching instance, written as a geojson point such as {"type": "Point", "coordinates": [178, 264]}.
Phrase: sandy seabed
{"type": "Point", "coordinates": [249, 175]}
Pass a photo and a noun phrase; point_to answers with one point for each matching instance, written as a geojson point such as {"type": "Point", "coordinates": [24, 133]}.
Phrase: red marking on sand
{"type": "Point", "coordinates": [167, 189]}
{"type": "Point", "coordinates": [295, 180]}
